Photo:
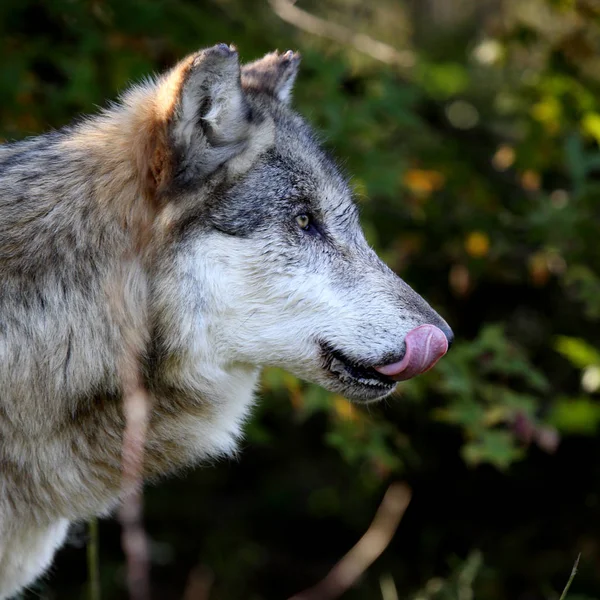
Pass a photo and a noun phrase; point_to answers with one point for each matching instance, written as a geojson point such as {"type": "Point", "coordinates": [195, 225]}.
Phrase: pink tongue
{"type": "Point", "coordinates": [425, 345]}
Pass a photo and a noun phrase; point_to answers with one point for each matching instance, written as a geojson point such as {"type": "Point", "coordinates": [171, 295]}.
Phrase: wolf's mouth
{"type": "Point", "coordinates": [352, 372]}
{"type": "Point", "coordinates": [423, 347]}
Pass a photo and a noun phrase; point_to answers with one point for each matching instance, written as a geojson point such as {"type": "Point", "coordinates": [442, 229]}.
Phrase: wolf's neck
{"type": "Point", "coordinates": [203, 417]}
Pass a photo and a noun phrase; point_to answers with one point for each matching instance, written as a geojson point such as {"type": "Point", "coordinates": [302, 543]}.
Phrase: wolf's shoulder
{"type": "Point", "coordinates": [14, 154]}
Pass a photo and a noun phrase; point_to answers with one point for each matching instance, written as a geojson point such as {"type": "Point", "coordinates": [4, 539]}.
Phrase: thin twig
{"type": "Point", "coordinates": [128, 307]}
{"type": "Point", "coordinates": [136, 403]}
{"type": "Point", "coordinates": [93, 560]}
{"type": "Point", "coordinates": [388, 587]}
{"type": "Point", "coordinates": [375, 540]}
{"type": "Point", "coordinates": [308, 22]}
{"type": "Point", "coordinates": [563, 596]}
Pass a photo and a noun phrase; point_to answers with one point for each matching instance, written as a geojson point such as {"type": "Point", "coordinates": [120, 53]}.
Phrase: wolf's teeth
{"type": "Point", "coordinates": [344, 373]}
{"type": "Point", "coordinates": [372, 382]}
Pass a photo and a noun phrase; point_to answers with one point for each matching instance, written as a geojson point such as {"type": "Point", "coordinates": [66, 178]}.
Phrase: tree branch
{"type": "Point", "coordinates": [308, 22]}
{"type": "Point", "coordinates": [136, 405]}
{"type": "Point", "coordinates": [375, 540]}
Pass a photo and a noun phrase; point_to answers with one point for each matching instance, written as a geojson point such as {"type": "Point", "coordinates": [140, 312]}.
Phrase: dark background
{"type": "Point", "coordinates": [474, 155]}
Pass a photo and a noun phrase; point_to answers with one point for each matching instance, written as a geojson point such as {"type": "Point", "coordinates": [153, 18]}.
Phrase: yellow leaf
{"type": "Point", "coordinates": [530, 180]}
{"type": "Point", "coordinates": [591, 125]}
{"type": "Point", "coordinates": [495, 415]}
{"type": "Point", "coordinates": [538, 269]}
{"type": "Point", "coordinates": [504, 158]}
{"type": "Point", "coordinates": [423, 182]}
{"type": "Point", "coordinates": [477, 244]}
{"type": "Point", "coordinates": [344, 409]}
{"type": "Point", "coordinates": [548, 112]}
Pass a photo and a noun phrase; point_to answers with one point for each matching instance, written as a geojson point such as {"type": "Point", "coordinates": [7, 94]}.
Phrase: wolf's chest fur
{"type": "Point", "coordinates": [74, 470]}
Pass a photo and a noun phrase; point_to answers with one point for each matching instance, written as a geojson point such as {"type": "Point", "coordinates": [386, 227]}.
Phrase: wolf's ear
{"type": "Point", "coordinates": [273, 74]}
{"type": "Point", "coordinates": [203, 115]}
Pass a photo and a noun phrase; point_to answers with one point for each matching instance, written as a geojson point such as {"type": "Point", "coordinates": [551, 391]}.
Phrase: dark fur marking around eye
{"type": "Point", "coordinates": [312, 226]}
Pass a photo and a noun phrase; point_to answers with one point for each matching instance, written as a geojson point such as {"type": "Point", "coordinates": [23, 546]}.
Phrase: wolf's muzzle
{"type": "Point", "coordinates": [425, 345]}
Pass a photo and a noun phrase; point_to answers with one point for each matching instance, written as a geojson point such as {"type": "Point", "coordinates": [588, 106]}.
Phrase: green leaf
{"type": "Point", "coordinates": [575, 415]}
{"type": "Point", "coordinates": [443, 80]}
{"type": "Point", "coordinates": [577, 351]}
{"type": "Point", "coordinates": [495, 447]}
{"type": "Point", "coordinates": [467, 414]}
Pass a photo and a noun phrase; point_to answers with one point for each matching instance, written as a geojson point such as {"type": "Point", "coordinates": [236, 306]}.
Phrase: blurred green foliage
{"type": "Point", "coordinates": [476, 166]}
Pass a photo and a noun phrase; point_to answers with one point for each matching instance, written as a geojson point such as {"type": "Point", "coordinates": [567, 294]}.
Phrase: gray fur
{"type": "Point", "coordinates": [171, 215]}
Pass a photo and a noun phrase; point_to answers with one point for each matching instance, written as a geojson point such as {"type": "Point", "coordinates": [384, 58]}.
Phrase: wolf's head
{"type": "Point", "coordinates": [261, 259]}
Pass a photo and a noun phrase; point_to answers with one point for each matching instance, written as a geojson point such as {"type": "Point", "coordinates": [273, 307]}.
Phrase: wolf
{"type": "Point", "coordinates": [196, 232]}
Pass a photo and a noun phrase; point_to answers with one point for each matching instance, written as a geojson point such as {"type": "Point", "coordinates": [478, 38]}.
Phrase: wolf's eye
{"type": "Point", "coordinates": [303, 221]}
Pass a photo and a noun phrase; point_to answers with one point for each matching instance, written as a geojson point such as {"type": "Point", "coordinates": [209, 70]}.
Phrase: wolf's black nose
{"type": "Point", "coordinates": [449, 334]}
